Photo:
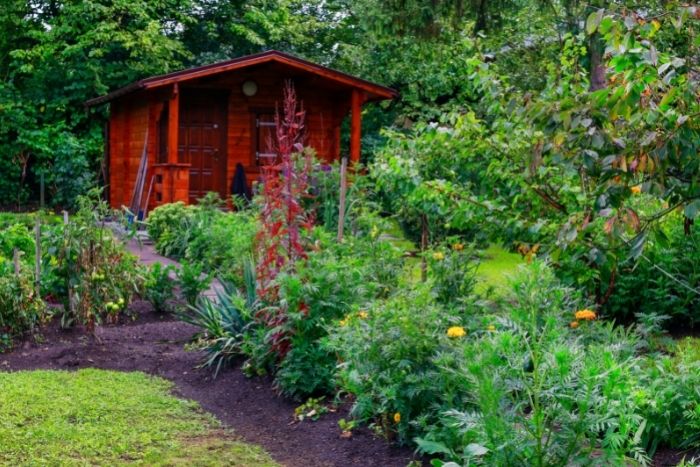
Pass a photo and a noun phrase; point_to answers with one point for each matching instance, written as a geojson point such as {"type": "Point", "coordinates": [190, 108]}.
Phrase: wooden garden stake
{"type": "Point", "coordinates": [343, 193]}
{"type": "Point", "coordinates": [37, 255]}
{"type": "Point", "coordinates": [423, 247]}
{"type": "Point", "coordinates": [41, 190]}
{"type": "Point", "coordinates": [15, 258]}
{"type": "Point", "coordinates": [70, 291]}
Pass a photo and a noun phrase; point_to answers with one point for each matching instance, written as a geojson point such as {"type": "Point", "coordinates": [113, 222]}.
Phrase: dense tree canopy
{"type": "Point", "coordinates": [527, 121]}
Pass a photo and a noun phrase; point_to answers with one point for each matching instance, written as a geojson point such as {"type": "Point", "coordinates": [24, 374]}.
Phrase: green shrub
{"type": "Point", "coordinates": [169, 228]}
{"type": "Point", "coordinates": [87, 268]}
{"type": "Point", "coordinates": [192, 281]}
{"type": "Point", "coordinates": [19, 237]}
{"type": "Point", "coordinates": [70, 174]}
{"type": "Point", "coordinates": [386, 362]}
{"type": "Point", "coordinates": [334, 281]}
{"type": "Point", "coordinates": [159, 286]}
{"type": "Point", "coordinates": [223, 245]}
{"type": "Point", "coordinates": [324, 288]}
{"type": "Point", "coordinates": [663, 282]}
{"type": "Point", "coordinates": [668, 397]}
{"type": "Point", "coordinates": [522, 386]}
{"type": "Point", "coordinates": [452, 272]}
{"type": "Point", "coordinates": [203, 234]}
{"type": "Point", "coordinates": [21, 308]}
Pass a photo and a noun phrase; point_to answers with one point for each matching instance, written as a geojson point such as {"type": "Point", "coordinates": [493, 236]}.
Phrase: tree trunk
{"type": "Point", "coordinates": [596, 51]}
{"type": "Point", "coordinates": [480, 24]}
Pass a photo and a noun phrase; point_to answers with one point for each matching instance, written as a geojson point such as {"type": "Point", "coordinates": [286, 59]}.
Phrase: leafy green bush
{"type": "Point", "coordinates": [386, 361]}
{"type": "Point", "coordinates": [169, 228]}
{"type": "Point", "coordinates": [329, 285]}
{"type": "Point", "coordinates": [203, 234]}
{"type": "Point", "coordinates": [668, 397]}
{"type": "Point", "coordinates": [158, 286]}
{"type": "Point", "coordinates": [192, 281]}
{"type": "Point", "coordinates": [452, 273]}
{"type": "Point", "coordinates": [87, 268]}
{"type": "Point", "coordinates": [70, 174]}
{"type": "Point", "coordinates": [532, 383]}
{"type": "Point", "coordinates": [334, 281]}
{"type": "Point", "coordinates": [223, 245]}
{"type": "Point", "coordinates": [19, 237]}
{"type": "Point", "coordinates": [665, 281]}
{"type": "Point", "coordinates": [21, 308]}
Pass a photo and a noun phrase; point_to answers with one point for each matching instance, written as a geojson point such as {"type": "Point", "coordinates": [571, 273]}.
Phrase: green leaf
{"type": "Point", "coordinates": [432, 447]}
{"type": "Point", "coordinates": [594, 20]}
{"type": "Point", "coordinates": [692, 209]}
{"type": "Point", "coordinates": [475, 450]}
{"type": "Point", "coordinates": [637, 245]}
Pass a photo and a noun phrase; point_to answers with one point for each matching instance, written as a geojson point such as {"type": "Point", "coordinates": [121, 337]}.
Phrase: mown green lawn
{"type": "Point", "coordinates": [496, 265]}
{"type": "Point", "coordinates": [96, 417]}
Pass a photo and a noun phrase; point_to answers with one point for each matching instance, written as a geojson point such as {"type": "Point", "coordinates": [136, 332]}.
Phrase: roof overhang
{"type": "Point", "coordinates": [372, 91]}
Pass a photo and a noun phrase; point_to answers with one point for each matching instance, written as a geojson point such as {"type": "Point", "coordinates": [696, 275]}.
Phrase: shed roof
{"type": "Point", "coordinates": [374, 91]}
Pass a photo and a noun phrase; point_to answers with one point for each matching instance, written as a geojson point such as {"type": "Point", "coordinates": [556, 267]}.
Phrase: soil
{"type": "Point", "coordinates": [155, 344]}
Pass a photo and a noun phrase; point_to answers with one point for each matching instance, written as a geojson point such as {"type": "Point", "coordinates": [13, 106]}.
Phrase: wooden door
{"type": "Point", "coordinates": [202, 141]}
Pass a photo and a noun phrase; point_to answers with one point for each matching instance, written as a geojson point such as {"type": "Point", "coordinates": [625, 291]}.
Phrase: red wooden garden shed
{"type": "Point", "coordinates": [195, 126]}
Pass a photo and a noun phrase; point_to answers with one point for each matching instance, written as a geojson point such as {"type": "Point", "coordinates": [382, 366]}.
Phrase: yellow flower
{"type": "Point", "coordinates": [397, 417]}
{"type": "Point", "coordinates": [573, 324]}
{"type": "Point", "coordinates": [636, 189]}
{"type": "Point", "coordinates": [458, 246]}
{"type": "Point", "coordinates": [491, 327]}
{"type": "Point", "coordinates": [455, 332]}
{"type": "Point", "coordinates": [438, 256]}
{"type": "Point", "coordinates": [586, 315]}
{"type": "Point", "coordinates": [362, 314]}
{"type": "Point", "coordinates": [343, 322]}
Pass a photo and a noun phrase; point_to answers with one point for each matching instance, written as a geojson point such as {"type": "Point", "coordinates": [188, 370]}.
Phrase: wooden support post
{"type": "Point", "coordinates": [37, 256]}
{"type": "Point", "coordinates": [423, 247]}
{"type": "Point", "coordinates": [173, 124]}
{"type": "Point", "coordinates": [68, 263]}
{"type": "Point", "coordinates": [343, 192]}
{"type": "Point", "coordinates": [355, 125]}
{"type": "Point", "coordinates": [41, 191]}
{"type": "Point", "coordinates": [15, 258]}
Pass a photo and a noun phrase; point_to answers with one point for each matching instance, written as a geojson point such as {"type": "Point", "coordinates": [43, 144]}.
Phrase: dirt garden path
{"type": "Point", "coordinates": [155, 344]}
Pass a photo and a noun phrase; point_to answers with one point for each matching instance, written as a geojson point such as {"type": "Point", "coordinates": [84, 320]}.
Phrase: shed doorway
{"type": "Point", "coordinates": [202, 141]}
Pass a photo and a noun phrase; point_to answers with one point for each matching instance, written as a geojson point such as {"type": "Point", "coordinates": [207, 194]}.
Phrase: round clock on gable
{"type": "Point", "coordinates": [250, 88]}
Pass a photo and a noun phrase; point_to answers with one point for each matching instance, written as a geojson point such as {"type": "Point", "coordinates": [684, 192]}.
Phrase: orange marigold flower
{"type": "Point", "coordinates": [397, 417]}
{"type": "Point", "coordinates": [636, 189]}
{"type": "Point", "coordinates": [573, 324]}
{"type": "Point", "coordinates": [362, 314]}
{"type": "Point", "coordinates": [458, 246]}
{"type": "Point", "coordinates": [586, 315]}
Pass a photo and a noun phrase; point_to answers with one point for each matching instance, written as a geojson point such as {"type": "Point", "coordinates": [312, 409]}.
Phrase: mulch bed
{"type": "Point", "coordinates": [155, 344]}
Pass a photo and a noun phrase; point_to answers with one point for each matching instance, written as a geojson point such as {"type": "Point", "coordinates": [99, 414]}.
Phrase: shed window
{"type": "Point", "coordinates": [265, 128]}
